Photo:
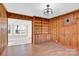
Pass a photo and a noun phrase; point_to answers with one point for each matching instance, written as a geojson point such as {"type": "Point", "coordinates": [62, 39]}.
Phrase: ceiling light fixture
{"type": "Point", "coordinates": [48, 10]}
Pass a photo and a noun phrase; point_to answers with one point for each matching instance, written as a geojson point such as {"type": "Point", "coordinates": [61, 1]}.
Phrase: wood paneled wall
{"type": "Point", "coordinates": [44, 30]}
{"type": "Point", "coordinates": [40, 30]}
{"type": "Point", "coordinates": [54, 29]}
{"type": "Point", "coordinates": [40, 27]}
{"type": "Point", "coordinates": [3, 28]}
{"type": "Point", "coordinates": [19, 16]}
{"type": "Point", "coordinates": [65, 34]}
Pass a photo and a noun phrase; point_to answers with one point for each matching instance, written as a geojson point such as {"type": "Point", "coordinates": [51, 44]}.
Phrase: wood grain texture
{"type": "Point", "coordinates": [66, 35]}
{"type": "Point", "coordinates": [3, 28]}
{"type": "Point", "coordinates": [40, 30]}
{"type": "Point", "coordinates": [40, 27]}
{"type": "Point", "coordinates": [44, 49]}
{"type": "Point", "coordinates": [19, 16]}
{"type": "Point", "coordinates": [53, 29]}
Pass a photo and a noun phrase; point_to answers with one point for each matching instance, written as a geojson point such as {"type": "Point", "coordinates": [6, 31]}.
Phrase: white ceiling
{"type": "Point", "coordinates": [36, 9]}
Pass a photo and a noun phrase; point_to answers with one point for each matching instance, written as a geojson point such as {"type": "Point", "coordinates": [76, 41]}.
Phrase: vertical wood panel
{"type": "Point", "coordinates": [40, 30]}
{"type": "Point", "coordinates": [3, 28]}
{"type": "Point", "coordinates": [77, 17]}
{"type": "Point", "coordinates": [66, 34]}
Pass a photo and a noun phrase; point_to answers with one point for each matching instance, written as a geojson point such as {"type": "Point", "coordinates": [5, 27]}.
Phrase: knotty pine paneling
{"type": "Point", "coordinates": [65, 34]}
{"type": "Point", "coordinates": [40, 27]}
{"type": "Point", "coordinates": [54, 29]}
{"type": "Point", "coordinates": [77, 24]}
{"type": "Point", "coordinates": [40, 30]}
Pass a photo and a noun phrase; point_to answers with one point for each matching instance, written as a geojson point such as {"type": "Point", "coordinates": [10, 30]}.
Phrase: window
{"type": "Point", "coordinates": [17, 29]}
{"type": "Point", "coordinates": [20, 29]}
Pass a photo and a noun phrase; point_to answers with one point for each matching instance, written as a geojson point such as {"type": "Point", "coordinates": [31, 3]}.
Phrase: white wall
{"type": "Point", "coordinates": [14, 39]}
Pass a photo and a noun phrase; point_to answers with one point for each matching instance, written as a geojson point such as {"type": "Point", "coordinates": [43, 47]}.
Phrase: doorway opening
{"type": "Point", "coordinates": [19, 32]}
